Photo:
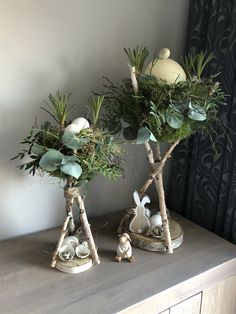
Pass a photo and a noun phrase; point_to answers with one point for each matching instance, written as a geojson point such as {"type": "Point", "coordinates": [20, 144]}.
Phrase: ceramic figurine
{"type": "Point", "coordinates": [124, 249]}
{"type": "Point", "coordinates": [140, 222]}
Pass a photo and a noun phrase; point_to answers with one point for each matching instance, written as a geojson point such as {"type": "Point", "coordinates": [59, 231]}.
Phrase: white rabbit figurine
{"type": "Point", "coordinates": [140, 222]}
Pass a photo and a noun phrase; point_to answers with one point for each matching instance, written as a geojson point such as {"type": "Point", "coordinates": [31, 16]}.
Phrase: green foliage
{"type": "Point", "coordinates": [137, 57]}
{"type": "Point", "coordinates": [169, 111]}
{"type": "Point", "coordinates": [59, 107]}
{"type": "Point", "coordinates": [95, 104]}
{"type": "Point", "coordinates": [73, 141]}
{"type": "Point", "coordinates": [195, 63]}
{"type": "Point", "coordinates": [63, 154]}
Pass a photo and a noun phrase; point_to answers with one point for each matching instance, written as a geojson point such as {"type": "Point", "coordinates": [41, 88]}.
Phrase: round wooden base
{"type": "Point", "coordinates": [75, 266]}
{"type": "Point", "coordinates": [153, 244]}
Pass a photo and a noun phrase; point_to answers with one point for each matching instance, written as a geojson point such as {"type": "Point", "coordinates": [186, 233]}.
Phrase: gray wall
{"type": "Point", "coordinates": [68, 45]}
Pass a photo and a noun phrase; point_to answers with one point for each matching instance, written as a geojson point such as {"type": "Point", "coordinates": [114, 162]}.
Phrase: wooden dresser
{"type": "Point", "coordinates": [200, 277]}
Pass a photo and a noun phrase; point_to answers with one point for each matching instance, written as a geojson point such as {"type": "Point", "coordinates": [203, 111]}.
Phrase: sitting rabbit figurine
{"type": "Point", "coordinates": [124, 249]}
{"type": "Point", "coordinates": [140, 222]}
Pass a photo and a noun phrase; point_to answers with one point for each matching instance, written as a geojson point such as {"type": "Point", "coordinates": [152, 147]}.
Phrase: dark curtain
{"type": "Point", "coordinates": [203, 186]}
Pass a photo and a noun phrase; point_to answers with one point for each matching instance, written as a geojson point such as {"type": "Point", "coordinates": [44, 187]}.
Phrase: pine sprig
{"type": "Point", "coordinates": [137, 57]}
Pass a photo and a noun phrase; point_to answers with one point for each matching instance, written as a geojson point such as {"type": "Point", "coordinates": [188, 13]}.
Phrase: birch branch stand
{"type": "Point", "coordinates": [172, 237]}
{"type": "Point", "coordinates": [76, 265]}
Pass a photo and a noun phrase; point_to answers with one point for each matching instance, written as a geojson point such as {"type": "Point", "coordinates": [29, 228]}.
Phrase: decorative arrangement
{"type": "Point", "coordinates": [75, 153]}
{"type": "Point", "coordinates": [162, 102]}
{"type": "Point", "coordinates": [124, 249]}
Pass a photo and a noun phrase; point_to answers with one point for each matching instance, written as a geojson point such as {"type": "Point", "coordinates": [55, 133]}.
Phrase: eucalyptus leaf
{"type": "Point", "coordinates": [174, 121]}
{"type": "Point", "coordinates": [71, 168]}
{"type": "Point", "coordinates": [51, 160]}
{"type": "Point", "coordinates": [38, 149]}
{"type": "Point", "coordinates": [73, 142]}
{"type": "Point", "coordinates": [143, 136]}
{"type": "Point", "coordinates": [152, 137]}
{"type": "Point", "coordinates": [196, 112]}
{"type": "Point", "coordinates": [69, 158]}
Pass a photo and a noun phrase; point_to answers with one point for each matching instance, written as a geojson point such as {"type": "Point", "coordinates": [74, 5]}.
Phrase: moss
{"type": "Point", "coordinates": [170, 135]}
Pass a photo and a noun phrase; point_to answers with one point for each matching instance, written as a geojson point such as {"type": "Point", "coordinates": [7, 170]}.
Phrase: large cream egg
{"type": "Point", "coordinates": [165, 68]}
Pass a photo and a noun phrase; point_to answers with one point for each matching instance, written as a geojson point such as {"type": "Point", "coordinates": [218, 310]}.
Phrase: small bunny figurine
{"type": "Point", "coordinates": [140, 222]}
{"type": "Point", "coordinates": [124, 249]}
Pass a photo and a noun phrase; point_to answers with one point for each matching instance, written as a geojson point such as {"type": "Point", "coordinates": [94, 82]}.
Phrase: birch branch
{"type": "Point", "coordinates": [59, 244]}
{"type": "Point", "coordinates": [134, 79]}
{"type": "Point", "coordinates": [87, 229]}
{"type": "Point", "coordinates": [158, 181]}
{"type": "Point", "coordinates": [156, 167]}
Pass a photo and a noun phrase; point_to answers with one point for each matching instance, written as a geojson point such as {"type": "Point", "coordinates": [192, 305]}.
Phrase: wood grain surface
{"type": "Point", "coordinates": [155, 281]}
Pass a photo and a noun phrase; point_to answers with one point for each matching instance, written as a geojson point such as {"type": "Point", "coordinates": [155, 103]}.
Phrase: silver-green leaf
{"type": "Point", "coordinates": [143, 136]}
{"type": "Point", "coordinates": [38, 149]}
{"type": "Point", "coordinates": [72, 141]}
{"type": "Point", "coordinates": [196, 112]}
{"type": "Point", "coordinates": [174, 121]}
{"type": "Point", "coordinates": [51, 160]}
{"type": "Point", "coordinates": [72, 168]}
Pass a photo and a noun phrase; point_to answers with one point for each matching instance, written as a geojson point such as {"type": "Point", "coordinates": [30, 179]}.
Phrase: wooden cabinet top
{"type": "Point", "coordinates": [29, 285]}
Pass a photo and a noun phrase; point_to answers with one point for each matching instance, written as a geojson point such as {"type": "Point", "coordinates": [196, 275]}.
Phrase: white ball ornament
{"type": "Point", "coordinates": [77, 126]}
{"type": "Point", "coordinates": [165, 68]}
{"type": "Point", "coordinates": [82, 123]}
{"type": "Point", "coordinates": [72, 128]}
{"type": "Point", "coordinates": [156, 220]}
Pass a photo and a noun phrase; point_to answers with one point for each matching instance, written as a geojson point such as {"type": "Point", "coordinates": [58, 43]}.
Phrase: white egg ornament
{"type": "Point", "coordinates": [156, 228]}
{"type": "Point", "coordinates": [77, 126]}
{"type": "Point", "coordinates": [165, 68]}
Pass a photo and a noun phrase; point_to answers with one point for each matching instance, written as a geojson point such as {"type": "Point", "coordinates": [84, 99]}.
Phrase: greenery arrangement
{"type": "Point", "coordinates": [160, 111]}
{"type": "Point", "coordinates": [75, 152]}
{"type": "Point", "coordinates": [63, 154]}
{"type": "Point", "coordinates": [146, 108]}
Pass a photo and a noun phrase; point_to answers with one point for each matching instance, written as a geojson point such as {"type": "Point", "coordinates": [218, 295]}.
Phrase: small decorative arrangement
{"type": "Point", "coordinates": [74, 152]}
{"type": "Point", "coordinates": [162, 102]}
{"type": "Point", "coordinates": [124, 249]}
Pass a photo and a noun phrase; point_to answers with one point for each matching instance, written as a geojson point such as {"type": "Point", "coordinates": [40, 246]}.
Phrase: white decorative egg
{"type": "Point", "coordinates": [166, 69]}
{"type": "Point", "coordinates": [73, 128]}
{"type": "Point", "coordinates": [82, 123]}
{"type": "Point", "coordinates": [77, 126]}
{"type": "Point", "coordinates": [156, 220]}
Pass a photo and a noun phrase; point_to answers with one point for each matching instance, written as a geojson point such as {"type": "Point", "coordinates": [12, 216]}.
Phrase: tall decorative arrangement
{"type": "Point", "coordinates": [162, 102]}
{"type": "Point", "coordinates": [75, 152]}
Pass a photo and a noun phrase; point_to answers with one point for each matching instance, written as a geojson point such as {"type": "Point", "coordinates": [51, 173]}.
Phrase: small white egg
{"type": "Point", "coordinates": [73, 128]}
{"type": "Point", "coordinates": [156, 220]}
{"type": "Point", "coordinates": [82, 123]}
